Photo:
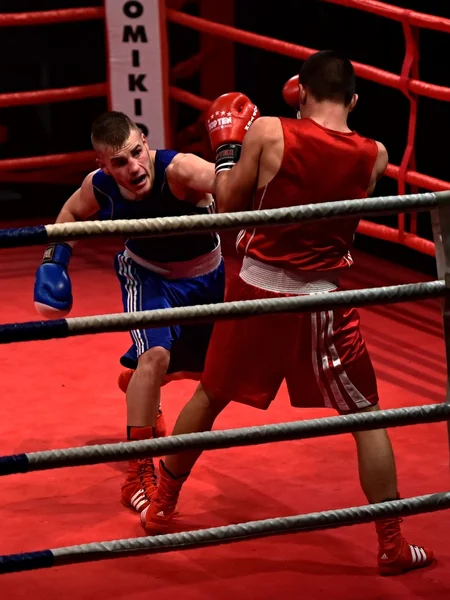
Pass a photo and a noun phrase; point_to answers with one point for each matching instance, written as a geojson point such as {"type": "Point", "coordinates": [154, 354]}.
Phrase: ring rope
{"type": "Point", "coordinates": [83, 158]}
{"type": "Point", "coordinates": [69, 94]}
{"type": "Point", "coordinates": [330, 519]}
{"type": "Point", "coordinates": [368, 228]}
{"type": "Point", "coordinates": [404, 15]}
{"type": "Point", "coordinates": [283, 48]}
{"type": "Point", "coordinates": [411, 177]}
{"type": "Point", "coordinates": [162, 226]}
{"type": "Point", "coordinates": [219, 439]}
{"type": "Point", "coordinates": [218, 535]}
{"type": "Point", "coordinates": [73, 326]}
{"type": "Point", "coordinates": [48, 17]}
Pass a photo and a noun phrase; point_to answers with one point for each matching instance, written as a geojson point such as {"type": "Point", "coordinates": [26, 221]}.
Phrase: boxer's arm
{"type": "Point", "coordinates": [81, 205]}
{"type": "Point", "coordinates": [191, 178]}
{"type": "Point", "coordinates": [52, 286]}
{"type": "Point", "coordinates": [379, 168]}
{"type": "Point", "coordinates": [235, 188]}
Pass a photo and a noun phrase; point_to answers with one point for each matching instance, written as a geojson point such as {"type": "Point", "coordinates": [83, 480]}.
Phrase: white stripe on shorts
{"type": "Point", "coordinates": [356, 396]}
{"type": "Point", "coordinates": [315, 361]}
{"type": "Point", "coordinates": [133, 288]}
{"type": "Point", "coordinates": [323, 346]}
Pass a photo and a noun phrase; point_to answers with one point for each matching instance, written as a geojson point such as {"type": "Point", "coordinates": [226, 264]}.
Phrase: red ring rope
{"type": "Point", "coordinates": [56, 95]}
{"type": "Point", "coordinates": [368, 228]}
{"type": "Point", "coordinates": [57, 167]}
{"type": "Point", "coordinates": [395, 13]}
{"type": "Point", "coordinates": [389, 234]}
{"type": "Point", "coordinates": [413, 178]}
{"type": "Point", "coordinates": [50, 160]}
{"type": "Point", "coordinates": [407, 82]}
{"type": "Point", "coordinates": [188, 98]}
{"type": "Point", "coordinates": [301, 52]}
{"type": "Point", "coordinates": [51, 16]}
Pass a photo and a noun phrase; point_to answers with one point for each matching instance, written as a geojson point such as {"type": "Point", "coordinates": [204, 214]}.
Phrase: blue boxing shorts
{"type": "Point", "coordinates": [143, 289]}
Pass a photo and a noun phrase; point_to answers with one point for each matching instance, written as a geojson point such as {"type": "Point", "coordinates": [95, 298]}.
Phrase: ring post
{"type": "Point", "coordinates": [440, 219]}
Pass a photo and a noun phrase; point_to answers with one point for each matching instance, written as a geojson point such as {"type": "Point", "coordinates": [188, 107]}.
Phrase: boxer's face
{"type": "Point", "coordinates": [131, 166]}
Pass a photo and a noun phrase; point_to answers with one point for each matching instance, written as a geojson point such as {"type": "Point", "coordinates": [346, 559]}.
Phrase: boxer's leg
{"type": "Point", "coordinates": [143, 290]}
{"type": "Point", "coordinates": [144, 388]}
{"type": "Point", "coordinates": [244, 363]}
{"type": "Point", "coordinates": [129, 361]}
{"type": "Point", "coordinates": [345, 372]}
{"type": "Point", "coordinates": [199, 414]}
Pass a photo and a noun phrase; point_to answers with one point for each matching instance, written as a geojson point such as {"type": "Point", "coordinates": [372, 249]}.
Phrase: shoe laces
{"type": "Point", "coordinates": [168, 491]}
{"type": "Point", "coordinates": [389, 530]}
{"type": "Point", "coordinates": [147, 475]}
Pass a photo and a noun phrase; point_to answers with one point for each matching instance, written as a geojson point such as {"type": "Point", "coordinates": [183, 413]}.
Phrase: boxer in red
{"type": "Point", "coordinates": [264, 163]}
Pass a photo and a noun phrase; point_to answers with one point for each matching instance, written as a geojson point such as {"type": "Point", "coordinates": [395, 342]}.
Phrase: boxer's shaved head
{"type": "Point", "coordinates": [123, 153]}
{"type": "Point", "coordinates": [112, 130]}
{"type": "Point", "coordinates": [329, 76]}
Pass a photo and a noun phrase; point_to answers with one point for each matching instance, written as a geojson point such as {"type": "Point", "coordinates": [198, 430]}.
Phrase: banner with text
{"type": "Point", "coordinates": [135, 48]}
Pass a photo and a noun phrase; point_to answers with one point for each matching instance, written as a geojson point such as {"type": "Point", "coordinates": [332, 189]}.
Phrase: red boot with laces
{"type": "Point", "coordinates": [395, 554]}
{"type": "Point", "coordinates": [140, 482]}
{"type": "Point", "coordinates": [156, 519]}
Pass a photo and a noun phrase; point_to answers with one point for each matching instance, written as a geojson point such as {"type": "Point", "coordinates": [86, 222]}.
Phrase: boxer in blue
{"type": "Point", "coordinates": [134, 182]}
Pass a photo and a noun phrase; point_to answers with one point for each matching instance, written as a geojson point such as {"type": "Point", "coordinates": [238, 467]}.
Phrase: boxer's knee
{"type": "Point", "coordinates": [153, 363]}
{"type": "Point", "coordinates": [369, 436]}
{"type": "Point", "coordinates": [372, 408]}
{"type": "Point", "coordinates": [209, 401]}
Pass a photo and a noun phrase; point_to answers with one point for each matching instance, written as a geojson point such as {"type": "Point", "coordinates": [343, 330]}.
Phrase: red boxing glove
{"type": "Point", "coordinates": [228, 119]}
{"type": "Point", "coordinates": [290, 92]}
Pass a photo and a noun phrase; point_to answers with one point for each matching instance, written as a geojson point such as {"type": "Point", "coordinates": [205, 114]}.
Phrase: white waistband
{"type": "Point", "coordinates": [196, 267]}
{"type": "Point", "coordinates": [274, 279]}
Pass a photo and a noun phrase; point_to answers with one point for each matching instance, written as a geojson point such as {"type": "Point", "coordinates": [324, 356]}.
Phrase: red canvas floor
{"type": "Point", "coordinates": [63, 393]}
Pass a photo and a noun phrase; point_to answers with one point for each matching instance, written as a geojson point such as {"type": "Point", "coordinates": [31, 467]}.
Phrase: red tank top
{"type": "Point", "coordinates": [319, 165]}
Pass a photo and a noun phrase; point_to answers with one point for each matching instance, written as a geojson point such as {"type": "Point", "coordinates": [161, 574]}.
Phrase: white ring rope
{"type": "Point", "coordinates": [214, 222]}
{"type": "Point", "coordinates": [62, 328]}
{"type": "Point", "coordinates": [190, 224]}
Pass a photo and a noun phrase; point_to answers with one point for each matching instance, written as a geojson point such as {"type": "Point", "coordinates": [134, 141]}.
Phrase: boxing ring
{"type": "Point", "coordinates": [42, 330]}
{"type": "Point", "coordinates": [437, 200]}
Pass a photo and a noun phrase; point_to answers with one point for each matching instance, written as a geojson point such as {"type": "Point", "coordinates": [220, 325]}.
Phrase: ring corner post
{"type": "Point", "coordinates": [440, 219]}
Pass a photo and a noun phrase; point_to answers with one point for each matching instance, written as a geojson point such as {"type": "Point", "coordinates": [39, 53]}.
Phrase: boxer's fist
{"type": "Point", "coordinates": [52, 287]}
{"type": "Point", "coordinates": [228, 119]}
{"type": "Point", "coordinates": [291, 93]}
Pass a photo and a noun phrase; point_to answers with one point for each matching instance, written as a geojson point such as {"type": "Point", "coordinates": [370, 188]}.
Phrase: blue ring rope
{"type": "Point", "coordinates": [23, 236]}
{"type": "Point", "coordinates": [34, 330]}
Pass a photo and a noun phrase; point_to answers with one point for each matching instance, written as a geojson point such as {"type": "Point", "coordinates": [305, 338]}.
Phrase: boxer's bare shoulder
{"type": "Point", "coordinates": [379, 168]}
{"type": "Point", "coordinates": [82, 204]}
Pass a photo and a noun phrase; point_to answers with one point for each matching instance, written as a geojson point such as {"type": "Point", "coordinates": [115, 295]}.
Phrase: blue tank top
{"type": "Point", "coordinates": [159, 203]}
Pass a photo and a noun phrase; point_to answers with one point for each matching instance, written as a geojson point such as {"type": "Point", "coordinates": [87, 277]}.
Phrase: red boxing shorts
{"type": "Point", "coordinates": [322, 356]}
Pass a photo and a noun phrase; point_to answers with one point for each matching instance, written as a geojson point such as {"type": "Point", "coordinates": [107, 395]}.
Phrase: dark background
{"type": "Point", "coordinates": [54, 56]}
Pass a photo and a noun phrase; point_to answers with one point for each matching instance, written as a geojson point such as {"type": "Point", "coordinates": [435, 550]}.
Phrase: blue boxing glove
{"type": "Point", "coordinates": [52, 287]}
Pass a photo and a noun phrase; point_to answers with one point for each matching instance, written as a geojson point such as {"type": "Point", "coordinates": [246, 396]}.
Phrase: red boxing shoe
{"type": "Point", "coordinates": [157, 518]}
{"type": "Point", "coordinates": [140, 482]}
{"type": "Point", "coordinates": [395, 554]}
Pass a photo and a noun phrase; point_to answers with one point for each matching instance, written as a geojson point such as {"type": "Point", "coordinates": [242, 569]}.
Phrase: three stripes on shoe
{"type": "Point", "coordinates": [139, 499]}
{"type": "Point", "coordinates": [418, 555]}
